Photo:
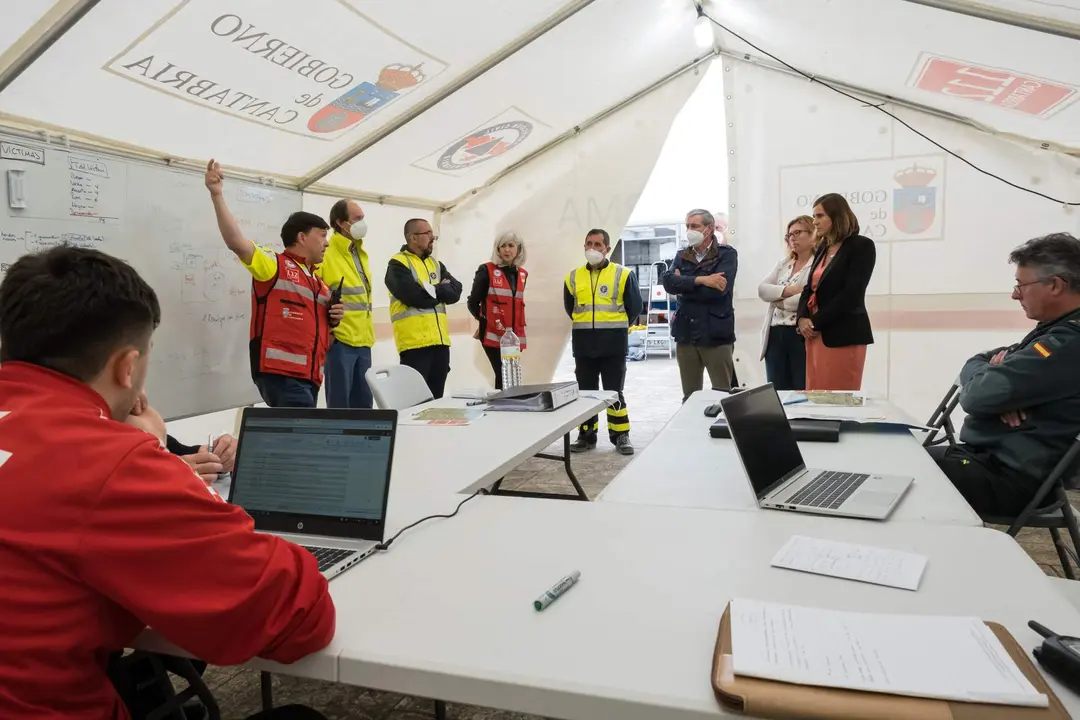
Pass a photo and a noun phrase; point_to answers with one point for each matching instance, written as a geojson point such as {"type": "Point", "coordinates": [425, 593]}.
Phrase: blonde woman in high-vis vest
{"type": "Point", "coordinates": [420, 288]}
{"type": "Point", "coordinates": [603, 301]}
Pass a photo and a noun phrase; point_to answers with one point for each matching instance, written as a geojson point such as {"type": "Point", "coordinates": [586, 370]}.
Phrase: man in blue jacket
{"type": "Point", "coordinates": [703, 276]}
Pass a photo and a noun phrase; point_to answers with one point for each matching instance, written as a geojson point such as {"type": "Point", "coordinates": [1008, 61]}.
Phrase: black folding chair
{"type": "Point", "coordinates": [1050, 508]}
{"type": "Point", "coordinates": [150, 671]}
{"type": "Point", "coordinates": [941, 420]}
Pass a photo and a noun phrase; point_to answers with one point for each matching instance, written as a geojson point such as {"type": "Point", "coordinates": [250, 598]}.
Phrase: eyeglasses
{"type": "Point", "coordinates": [428, 233]}
{"type": "Point", "coordinates": [793, 233]}
{"type": "Point", "coordinates": [1018, 289]}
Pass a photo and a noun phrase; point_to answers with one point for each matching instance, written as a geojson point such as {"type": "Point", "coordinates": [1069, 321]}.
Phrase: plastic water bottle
{"type": "Point", "coordinates": [510, 351]}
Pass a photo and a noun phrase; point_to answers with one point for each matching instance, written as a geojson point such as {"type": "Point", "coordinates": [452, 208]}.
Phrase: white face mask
{"type": "Point", "coordinates": [358, 229]}
{"type": "Point", "coordinates": [594, 257]}
{"type": "Point", "coordinates": [694, 237]}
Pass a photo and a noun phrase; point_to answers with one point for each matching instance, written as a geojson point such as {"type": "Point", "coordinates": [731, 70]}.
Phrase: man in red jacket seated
{"type": "Point", "coordinates": [102, 531]}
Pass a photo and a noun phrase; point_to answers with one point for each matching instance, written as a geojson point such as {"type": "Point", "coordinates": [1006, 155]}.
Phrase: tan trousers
{"type": "Point", "coordinates": [693, 360]}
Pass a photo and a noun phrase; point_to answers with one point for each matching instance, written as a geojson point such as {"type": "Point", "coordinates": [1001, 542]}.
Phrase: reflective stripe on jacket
{"type": "Point", "coordinates": [290, 322]}
{"type": "Point", "coordinates": [347, 260]}
{"type": "Point", "coordinates": [599, 297]}
{"type": "Point", "coordinates": [504, 306]}
{"type": "Point", "coordinates": [419, 327]}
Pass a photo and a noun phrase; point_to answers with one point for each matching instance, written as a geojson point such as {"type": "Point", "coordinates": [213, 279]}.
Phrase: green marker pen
{"type": "Point", "coordinates": [557, 590]}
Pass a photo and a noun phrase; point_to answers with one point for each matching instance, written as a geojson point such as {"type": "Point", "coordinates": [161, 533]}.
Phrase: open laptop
{"type": "Point", "coordinates": [780, 479]}
{"type": "Point", "coordinates": [318, 478]}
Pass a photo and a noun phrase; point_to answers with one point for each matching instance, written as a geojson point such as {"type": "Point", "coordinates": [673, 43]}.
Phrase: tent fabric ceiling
{"type": "Point", "coordinates": [258, 85]}
{"type": "Point", "coordinates": [1009, 79]}
{"type": "Point", "coordinates": [282, 89]}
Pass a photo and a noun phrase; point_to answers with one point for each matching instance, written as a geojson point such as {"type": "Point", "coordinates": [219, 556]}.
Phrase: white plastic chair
{"type": "Point", "coordinates": [396, 387]}
{"type": "Point", "coordinates": [747, 369]}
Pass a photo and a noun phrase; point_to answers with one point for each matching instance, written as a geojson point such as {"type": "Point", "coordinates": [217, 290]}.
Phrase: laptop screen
{"type": "Point", "coordinates": [315, 471]}
{"type": "Point", "coordinates": [763, 437]}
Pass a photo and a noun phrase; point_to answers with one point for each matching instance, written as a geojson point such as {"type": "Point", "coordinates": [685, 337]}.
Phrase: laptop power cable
{"type": "Point", "coordinates": [385, 545]}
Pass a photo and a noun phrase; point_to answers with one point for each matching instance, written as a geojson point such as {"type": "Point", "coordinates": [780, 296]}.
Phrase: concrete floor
{"type": "Point", "coordinates": [652, 395]}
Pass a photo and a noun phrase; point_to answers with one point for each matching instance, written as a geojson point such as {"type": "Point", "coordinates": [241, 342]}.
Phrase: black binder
{"type": "Point", "coordinates": [805, 430]}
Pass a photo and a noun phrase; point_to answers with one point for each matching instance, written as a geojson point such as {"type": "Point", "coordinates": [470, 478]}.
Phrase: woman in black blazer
{"type": "Point", "coordinates": [832, 310]}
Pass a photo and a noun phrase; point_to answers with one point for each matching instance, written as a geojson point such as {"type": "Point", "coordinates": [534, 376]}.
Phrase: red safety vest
{"type": "Point", "coordinates": [504, 307]}
{"type": "Point", "coordinates": [290, 322]}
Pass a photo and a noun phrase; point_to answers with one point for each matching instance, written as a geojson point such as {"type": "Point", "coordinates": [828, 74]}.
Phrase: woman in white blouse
{"type": "Point", "coordinates": [782, 347]}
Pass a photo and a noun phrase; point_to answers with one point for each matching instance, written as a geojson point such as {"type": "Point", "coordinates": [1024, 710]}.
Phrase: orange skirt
{"type": "Point", "coordinates": [834, 368]}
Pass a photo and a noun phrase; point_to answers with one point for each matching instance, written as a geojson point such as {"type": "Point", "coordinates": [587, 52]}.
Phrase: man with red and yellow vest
{"type": "Point", "coordinates": [345, 266]}
{"type": "Point", "coordinates": [420, 289]}
{"type": "Point", "coordinates": [291, 316]}
{"type": "Point", "coordinates": [603, 301]}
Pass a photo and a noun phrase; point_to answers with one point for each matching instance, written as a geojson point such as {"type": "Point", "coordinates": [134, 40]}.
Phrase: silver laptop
{"type": "Point", "coordinates": [780, 479]}
{"type": "Point", "coordinates": [318, 478]}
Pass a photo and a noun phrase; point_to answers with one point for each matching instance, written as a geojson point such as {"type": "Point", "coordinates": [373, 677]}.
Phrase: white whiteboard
{"type": "Point", "coordinates": [161, 221]}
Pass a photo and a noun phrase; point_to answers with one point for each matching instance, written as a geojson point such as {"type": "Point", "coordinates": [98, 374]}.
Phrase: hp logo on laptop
{"type": "Point", "coordinates": [299, 526]}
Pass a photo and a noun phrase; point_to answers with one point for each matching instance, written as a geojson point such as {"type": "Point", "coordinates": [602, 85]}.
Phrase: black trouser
{"type": "Point", "coordinates": [612, 371]}
{"type": "Point", "coordinates": [494, 356]}
{"type": "Point", "coordinates": [989, 487]}
{"type": "Point", "coordinates": [141, 696]}
{"type": "Point", "coordinates": [433, 362]}
{"type": "Point", "coordinates": [785, 358]}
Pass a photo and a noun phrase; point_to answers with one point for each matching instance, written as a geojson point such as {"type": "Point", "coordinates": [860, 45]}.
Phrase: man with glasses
{"type": "Point", "coordinates": [420, 289]}
{"type": "Point", "coordinates": [703, 276]}
{"type": "Point", "coordinates": [1022, 401]}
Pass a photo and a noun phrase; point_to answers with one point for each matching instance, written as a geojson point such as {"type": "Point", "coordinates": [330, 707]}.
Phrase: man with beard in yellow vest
{"type": "Point", "coordinates": [420, 289]}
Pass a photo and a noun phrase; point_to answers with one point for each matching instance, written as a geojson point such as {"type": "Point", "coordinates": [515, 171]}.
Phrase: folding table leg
{"type": "Point", "coordinates": [579, 492]}
{"type": "Point", "coordinates": [440, 710]}
{"type": "Point", "coordinates": [266, 687]}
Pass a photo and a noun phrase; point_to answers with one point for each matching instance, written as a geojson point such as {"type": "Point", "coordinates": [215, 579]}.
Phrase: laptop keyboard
{"type": "Point", "coordinates": [328, 557]}
{"type": "Point", "coordinates": [828, 490]}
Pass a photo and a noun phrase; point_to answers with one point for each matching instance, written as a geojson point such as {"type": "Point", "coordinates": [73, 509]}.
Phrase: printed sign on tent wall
{"type": "Point", "coordinates": [267, 63]}
{"type": "Point", "coordinates": [991, 86]}
{"type": "Point", "coordinates": [495, 138]}
{"type": "Point", "coordinates": [894, 199]}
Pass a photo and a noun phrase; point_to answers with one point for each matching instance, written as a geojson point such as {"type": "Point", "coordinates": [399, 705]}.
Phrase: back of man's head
{"type": "Point", "coordinates": [70, 310]}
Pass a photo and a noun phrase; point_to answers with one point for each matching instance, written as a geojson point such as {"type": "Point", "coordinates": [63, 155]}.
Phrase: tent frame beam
{"type": "Point", "coordinates": [1005, 17]}
{"type": "Point", "coordinates": [580, 128]}
{"type": "Point", "coordinates": [908, 104]}
{"type": "Point", "coordinates": [47, 37]}
{"type": "Point", "coordinates": [535, 33]}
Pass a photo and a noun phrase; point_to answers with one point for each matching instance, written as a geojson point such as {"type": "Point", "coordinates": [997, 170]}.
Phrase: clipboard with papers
{"type": "Point", "coordinates": [901, 683]}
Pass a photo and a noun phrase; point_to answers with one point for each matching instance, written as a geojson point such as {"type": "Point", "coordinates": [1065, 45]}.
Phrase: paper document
{"type": "Point", "coordinates": [853, 562]}
{"type": "Point", "coordinates": [946, 658]}
{"type": "Point", "coordinates": [444, 416]}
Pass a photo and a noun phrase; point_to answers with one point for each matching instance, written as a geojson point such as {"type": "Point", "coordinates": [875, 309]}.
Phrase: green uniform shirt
{"type": "Point", "coordinates": [1039, 375]}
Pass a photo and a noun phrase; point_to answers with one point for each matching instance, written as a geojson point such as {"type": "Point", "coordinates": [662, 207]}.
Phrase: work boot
{"type": "Point", "coordinates": [623, 446]}
{"type": "Point", "coordinates": [585, 441]}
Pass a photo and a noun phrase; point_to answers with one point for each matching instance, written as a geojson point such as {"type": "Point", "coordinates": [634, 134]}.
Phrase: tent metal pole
{"type": "Point", "coordinates": [44, 41]}
{"type": "Point", "coordinates": [868, 94]}
{"type": "Point", "coordinates": [1005, 17]}
{"type": "Point", "coordinates": [577, 129]}
{"type": "Point", "coordinates": [435, 98]}
{"type": "Point", "coordinates": [908, 104]}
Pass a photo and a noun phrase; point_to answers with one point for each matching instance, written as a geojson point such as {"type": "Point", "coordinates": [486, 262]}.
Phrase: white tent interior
{"type": "Point", "coordinates": [548, 116]}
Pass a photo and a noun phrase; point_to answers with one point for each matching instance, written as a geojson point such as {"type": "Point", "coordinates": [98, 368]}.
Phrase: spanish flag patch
{"type": "Point", "coordinates": [1041, 350]}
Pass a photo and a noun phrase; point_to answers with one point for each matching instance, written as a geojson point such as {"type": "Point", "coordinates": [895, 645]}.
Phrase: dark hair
{"type": "Point", "coordinates": [339, 213]}
{"type": "Point", "coordinates": [69, 309]}
{"type": "Point", "coordinates": [1051, 256]}
{"type": "Point", "coordinates": [410, 225]}
{"type": "Point", "coordinates": [300, 222]}
{"type": "Point", "coordinates": [598, 231]}
{"type": "Point", "coordinates": [844, 222]}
